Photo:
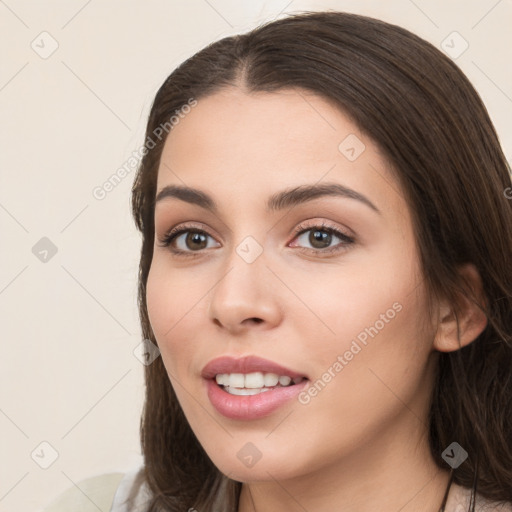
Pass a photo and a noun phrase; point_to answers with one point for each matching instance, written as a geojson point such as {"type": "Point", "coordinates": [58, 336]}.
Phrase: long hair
{"type": "Point", "coordinates": [431, 125]}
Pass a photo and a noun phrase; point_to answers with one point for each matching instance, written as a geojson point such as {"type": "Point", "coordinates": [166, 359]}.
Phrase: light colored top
{"type": "Point", "coordinates": [111, 492]}
{"type": "Point", "coordinates": [128, 492]}
{"type": "Point", "coordinates": [132, 494]}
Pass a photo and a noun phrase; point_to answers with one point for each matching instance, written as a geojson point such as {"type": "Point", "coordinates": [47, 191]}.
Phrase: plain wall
{"type": "Point", "coordinates": [69, 320]}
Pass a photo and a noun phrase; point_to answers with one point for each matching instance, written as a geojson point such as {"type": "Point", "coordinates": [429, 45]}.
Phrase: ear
{"type": "Point", "coordinates": [472, 320]}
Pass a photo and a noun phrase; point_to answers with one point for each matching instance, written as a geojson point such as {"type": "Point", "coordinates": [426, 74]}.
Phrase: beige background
{"type": "Point", "coordinates": [68, 373]}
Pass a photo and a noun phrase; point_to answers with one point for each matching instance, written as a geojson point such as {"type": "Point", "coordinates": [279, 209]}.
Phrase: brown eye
{"type": "Point", "coordinates": [186, 240]}
{"type": "Point", "coordinates": [195, 240]}
{"type": "Point", "coordinates": [321, 237]}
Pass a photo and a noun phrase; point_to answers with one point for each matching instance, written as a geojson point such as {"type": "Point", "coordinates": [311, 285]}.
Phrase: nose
{"type": "Point", "coordinates": [245, 296]}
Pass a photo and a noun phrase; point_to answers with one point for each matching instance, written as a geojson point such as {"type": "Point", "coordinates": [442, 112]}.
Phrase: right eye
{"type": "Point", "coordinates": [185, 240]}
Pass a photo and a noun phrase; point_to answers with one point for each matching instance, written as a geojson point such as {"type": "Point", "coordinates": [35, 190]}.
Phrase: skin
{"type": "Point", "coordinates": [360, 444]}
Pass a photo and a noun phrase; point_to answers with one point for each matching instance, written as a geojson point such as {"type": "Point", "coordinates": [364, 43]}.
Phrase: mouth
{"type": "Point", "coordinates": [250, 387]}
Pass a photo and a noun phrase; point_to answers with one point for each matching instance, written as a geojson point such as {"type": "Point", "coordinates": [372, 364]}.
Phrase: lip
{"type": "Point", "coordinates": [249, 407]}
{"type": "Point", "coordinates": [247, 364]}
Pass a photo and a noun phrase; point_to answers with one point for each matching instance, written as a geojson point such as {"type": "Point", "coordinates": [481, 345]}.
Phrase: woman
{"type": "Point", "coordinates": [423, 233]}
{"type": "Point", "coordinates": [326, 271]}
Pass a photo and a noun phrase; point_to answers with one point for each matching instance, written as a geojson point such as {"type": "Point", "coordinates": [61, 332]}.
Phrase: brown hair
{"type": "Point", "coordinates": [435, 132]}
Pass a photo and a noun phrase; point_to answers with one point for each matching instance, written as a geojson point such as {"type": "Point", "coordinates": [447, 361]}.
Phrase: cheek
{"type": "Point", "coordinates": [374, 334]}
{"type": "Point", "coordinates": [159, 302]}
{"type": "Point", "coordinates": [166, 302]}
{"type": "Point", "coordinates": [373, 293]}
{"type": "Point", "coordinates": [176, 308]}
{"type": "Point", "coordinates": [170, 295]}
{"type": "Point", "coordinates": [379, 352]}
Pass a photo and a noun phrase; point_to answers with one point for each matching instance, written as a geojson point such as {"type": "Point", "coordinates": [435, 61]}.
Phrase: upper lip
{"type": "Point", "coordinates": [247, 364]}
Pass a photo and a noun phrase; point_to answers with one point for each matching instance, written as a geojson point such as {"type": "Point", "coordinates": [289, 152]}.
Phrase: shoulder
{"type": "Point", "coordinates": [460, 498]}
{"type": "Point", "coordinates": [88, 495]}
{"type": "Point", "coordinates": [111, 492]}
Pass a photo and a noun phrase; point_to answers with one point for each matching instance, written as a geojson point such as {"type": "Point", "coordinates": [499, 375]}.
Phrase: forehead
{"type": "Point", "coordinates": [233, 124]}
{"type": "Point", "coordinates": [282, 119]}
{"type": "Point", "coordinates": [235, 142]}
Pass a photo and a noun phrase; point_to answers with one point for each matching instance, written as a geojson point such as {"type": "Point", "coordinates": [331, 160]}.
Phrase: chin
{"type": "Point", "coordinates": [261, 471]}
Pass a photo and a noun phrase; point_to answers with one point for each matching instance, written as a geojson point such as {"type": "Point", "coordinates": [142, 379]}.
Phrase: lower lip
{"type": "Point", "coordinates": [251, 407]}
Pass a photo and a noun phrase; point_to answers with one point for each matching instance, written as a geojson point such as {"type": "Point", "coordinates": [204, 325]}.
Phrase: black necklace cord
{"type": "Point", "coordinates": [445, 499]}
{"type": "Point", "coordinates": [475, 484]}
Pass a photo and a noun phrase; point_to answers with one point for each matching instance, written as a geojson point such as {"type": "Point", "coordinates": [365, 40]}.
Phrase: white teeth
{"type": "Point", "coordinates": [271, 379]}
{"type": "Point", "coordinates": [284, 380]}
{"type": "Point", "coordinates": [220, 379]}
{"type": "Point", "coordinates": [254, 380]}
{"type": "Point", "coordinates": [236, 380]}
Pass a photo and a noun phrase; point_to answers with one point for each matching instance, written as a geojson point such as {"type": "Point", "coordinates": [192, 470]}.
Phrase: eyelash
{"type": "Point", "coordinates": [347, 240]}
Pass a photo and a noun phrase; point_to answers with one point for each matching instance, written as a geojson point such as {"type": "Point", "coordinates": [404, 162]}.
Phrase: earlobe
{"type": "Point", "coordinates": [471, 317]}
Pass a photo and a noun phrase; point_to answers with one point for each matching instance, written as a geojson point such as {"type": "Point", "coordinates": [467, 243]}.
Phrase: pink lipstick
{"type": "Point", "coordinates": [250, 387]}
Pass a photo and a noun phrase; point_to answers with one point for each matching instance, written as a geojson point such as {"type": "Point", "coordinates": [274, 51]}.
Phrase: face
{"type": "Point", "coordinates": [326, 285]}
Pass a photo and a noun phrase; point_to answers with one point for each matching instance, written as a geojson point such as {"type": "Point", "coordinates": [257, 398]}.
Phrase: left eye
{"type": "Point", "coordinates": [321, 237]}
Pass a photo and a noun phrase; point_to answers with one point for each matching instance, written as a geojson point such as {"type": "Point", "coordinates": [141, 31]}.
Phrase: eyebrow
{"type": "Point", "coordinates": [278, 201]}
